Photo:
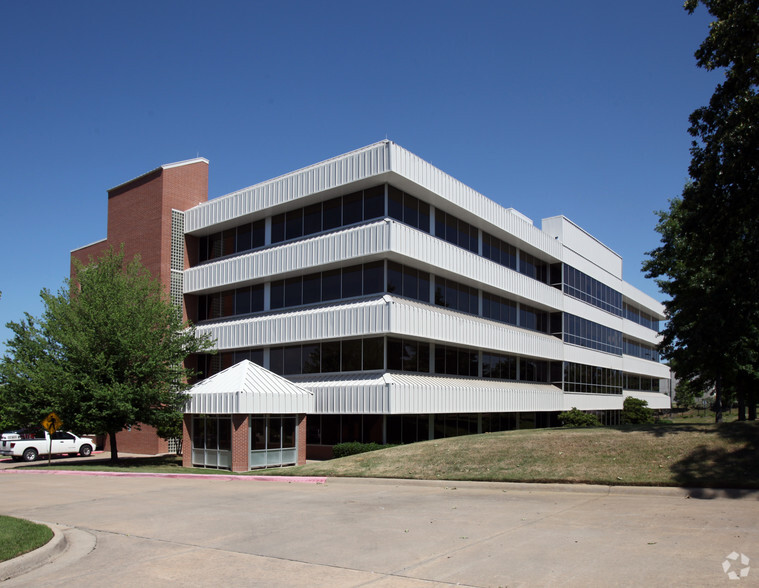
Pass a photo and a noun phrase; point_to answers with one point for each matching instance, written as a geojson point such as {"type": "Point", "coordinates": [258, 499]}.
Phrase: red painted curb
{"type": "Point", "coordinates": [223, 477]}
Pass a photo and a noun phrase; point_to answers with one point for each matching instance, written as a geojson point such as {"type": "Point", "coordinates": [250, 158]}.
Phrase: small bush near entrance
{"type": "Point", "coordinates": [636, 412]}
{"type": "Point", "coordinates": [578, 418]}
{"type": "Point", "coordinates": [354, 447]}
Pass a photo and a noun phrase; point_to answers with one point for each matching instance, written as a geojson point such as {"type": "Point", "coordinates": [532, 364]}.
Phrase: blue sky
{"type": "Point", "coordinates": [576, 108]}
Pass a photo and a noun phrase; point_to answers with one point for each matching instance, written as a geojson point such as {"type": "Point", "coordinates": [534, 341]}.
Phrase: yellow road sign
{"type": "Point", "coordinates": [52, 423]}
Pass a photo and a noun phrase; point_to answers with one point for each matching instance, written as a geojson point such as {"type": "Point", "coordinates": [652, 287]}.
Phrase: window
{"type": "Point", "coordinates": [456, 296]}
{"type": "Point", "coordinates": [408, 355]}
{"type": "Point", "coordinates": [408, 209]}
{"type": "Point", "coordinates": [532, 267]}
{"type": "Point", "coordinates": [579, 331]}
{"type": "Point", "coordinates": [455, 361]}
{"type": "Point", "coordinates": [533, 318]}
{"type": "Point", "coordinates": [583, 287]}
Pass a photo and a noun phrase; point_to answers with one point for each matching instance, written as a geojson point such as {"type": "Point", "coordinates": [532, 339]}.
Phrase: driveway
{"type": "Point", "coordinates": [209, 532]}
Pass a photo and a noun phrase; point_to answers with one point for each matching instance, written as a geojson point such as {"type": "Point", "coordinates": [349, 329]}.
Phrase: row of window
{"type": "Point", "coordinates": [640, 350]}
{"type": "Point", "coordinates": [642, 383]}
{"type": "Point", "coordinates": [235, 240]}
{"type": "Point", "coordinates": [331, 429]}
{"type": "Point", "coordinates": [588, 379]}
{"type": "Point", "coordinates": [322, 216]}
{"type": "Point", "coordinates": [268, 432]}
{"type": "Point", "coordinates": [340, 283]}
{"type": "Point", "coordinates": [408, 209]}
{"type": "Point", "coordinates": [363, 280]}
{"type": "Point", "coordinates": [452, 229]}
{"type": "Point", "coordinates": [583, 287]}
{"type": "Point", "coordinates": [331, 214]}
{"type": "Point", "coordinates": [640, 317]}
{"type": "Point", "coordinates": [580, 331]}
{"type": "Point", "coordinates": [366, 205]}
{"type": "Point", "coordinates": [409, 355]}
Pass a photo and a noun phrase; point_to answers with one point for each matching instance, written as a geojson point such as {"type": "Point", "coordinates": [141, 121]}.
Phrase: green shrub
{"type": "Point", "coordinates": [636, 412]}
{"type": "Point", "coordinates": [354, 447]}
{"type": "Point", "coordinates": [578, 418]}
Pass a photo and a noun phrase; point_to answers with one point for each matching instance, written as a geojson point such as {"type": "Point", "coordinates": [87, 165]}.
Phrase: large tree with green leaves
{"type": "Point", "coordinates": [106, 354]}
{"type": "Point", "coordinates": [708, 261]}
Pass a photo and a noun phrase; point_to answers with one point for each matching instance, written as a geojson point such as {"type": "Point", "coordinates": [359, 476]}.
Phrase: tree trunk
{"type": "Point", "coordinates": [718, 400]}
{"type": "Point", "coordinates": [114, 448]}
{"type": "Point", "coordinates": [741, 405]}
{"type": "Point", "coordinates": [751, 400]}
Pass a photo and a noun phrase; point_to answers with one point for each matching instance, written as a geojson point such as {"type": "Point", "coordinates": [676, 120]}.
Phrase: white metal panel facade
{"type": "Point", "coordinates": [411, 394]}
{"type": "Point", "coordinates": [426, 321]}
{"type": "Point", "coordinates": [355, 394]}
{"type": "Point", "coordinates": [640, 332]}
{"type": "Point", "coordinates": [588, 267]}
{"type": "Point", "coordinates": [459, 195]}
{"type": "Point", "coordinates": [584, 244]}
{"type": "Point", "coordinates": [593, 401]}
{"type": "Point", "coordinates": [338, 171]}
{"type": "Point", "coordinates": [247, 388]}
{"type": "Point", "coordinates": [348, 245]}
{"type": "Point", "coordinates": [655, 400]}
{"type": "Point", "coordinates": [394, 316]}
{"type": "Point", "coordinates": [592, 313]}
{"type": "Point", "coordinates": [352, 245]}
{"type": "Point", "coordinates": [420, 394]}
{"type": "Point", "coordinates": [642, 299]}
{"type": "Point", "coordinates": [637, 365]}
{"type": "Point", "coordinates": [330, 322]}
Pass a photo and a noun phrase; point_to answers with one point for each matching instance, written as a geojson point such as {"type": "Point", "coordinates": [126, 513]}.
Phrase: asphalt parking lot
{"type": "Point", "coordinates": [155, 531]}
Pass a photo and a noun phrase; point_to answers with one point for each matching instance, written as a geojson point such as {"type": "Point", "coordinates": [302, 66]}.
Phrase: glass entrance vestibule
{"type": "Point", "coordinates": [219, 441]}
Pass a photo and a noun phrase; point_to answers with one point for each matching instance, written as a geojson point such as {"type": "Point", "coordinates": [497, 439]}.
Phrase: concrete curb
{"type": "Point", "coordinates": [668, 491]}
{"type": "Point", "coordinates": [37, 558]}
{"type": "Point", "coordinates": [218, 477]}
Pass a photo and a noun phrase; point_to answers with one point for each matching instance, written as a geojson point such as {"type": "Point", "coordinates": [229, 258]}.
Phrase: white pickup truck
{"type": "Point", "coordinates": [28, 444]}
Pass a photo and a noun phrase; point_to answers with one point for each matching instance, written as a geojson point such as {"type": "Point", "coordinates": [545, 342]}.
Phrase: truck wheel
{"type": "Point", "coordinates": [30, 454]}
{"type": "Point", "coordinates": [85, 451]}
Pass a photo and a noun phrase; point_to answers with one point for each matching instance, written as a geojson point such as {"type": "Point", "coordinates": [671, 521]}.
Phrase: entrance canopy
{"type": "Point", "coordinates": [247, 388]}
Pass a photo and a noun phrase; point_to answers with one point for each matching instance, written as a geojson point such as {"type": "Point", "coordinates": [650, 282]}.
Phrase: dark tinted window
{"type": "Point", "coordinates": [374, 202]}
{"type": "Point", "coordinates": [352, 281]}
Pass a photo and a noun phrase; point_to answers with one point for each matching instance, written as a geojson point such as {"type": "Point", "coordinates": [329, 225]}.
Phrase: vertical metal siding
{"type": "Point", "coordinates": [344, 169]}
{"type": "Point", "coordinates": [428, 176]}
{"type": "Point", "coordinates": [350, 245]}
{"type": "Point", "coordinates": [342, 321]}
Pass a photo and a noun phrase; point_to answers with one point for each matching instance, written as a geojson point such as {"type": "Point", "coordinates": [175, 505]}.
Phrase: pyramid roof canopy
{"type": "Point", "coordinates": [247, 388]}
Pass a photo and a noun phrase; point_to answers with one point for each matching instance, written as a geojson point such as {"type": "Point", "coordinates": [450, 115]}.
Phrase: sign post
{"type": "Point", "coordinates": [51, 424]}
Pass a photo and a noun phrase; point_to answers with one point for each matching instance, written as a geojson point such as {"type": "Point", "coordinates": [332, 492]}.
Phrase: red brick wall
{"type": "Point", "coordinates": [144, 441]}
{"type": "Point", "coordinates": [139, 213]}
{"type": "Point", "coordinates": [240, 443]}
{"type": "Point", "coordinates": [301, 436]}
{"type": "Point", "coordinates": [139, 217]}
{"type": "Point", "coordinates": [186, 441]}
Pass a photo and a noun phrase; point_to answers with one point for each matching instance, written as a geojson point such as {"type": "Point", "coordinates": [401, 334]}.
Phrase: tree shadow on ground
{"type": "Point", "coordinates": [734, 471]}
{"type": "Point", "coordinates": [664, 429]}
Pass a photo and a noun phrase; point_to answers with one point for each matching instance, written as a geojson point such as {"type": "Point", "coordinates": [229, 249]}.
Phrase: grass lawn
{"type": "Point", "coordinates": [18, 536]}
{"type": "Point", "coordinates": [686, 453]}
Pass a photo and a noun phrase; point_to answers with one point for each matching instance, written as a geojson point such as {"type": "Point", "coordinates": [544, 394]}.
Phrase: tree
{"type": "Point", "coordinates": [636, 412]}
{"type": "Point", "coordinates": [709, 254]}
{"type": "Point", "coordinates": [107, 353]}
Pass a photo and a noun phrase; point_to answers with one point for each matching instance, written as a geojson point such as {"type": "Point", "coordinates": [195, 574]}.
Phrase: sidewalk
{"type": "Point", "coordinates": [209, 530]}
